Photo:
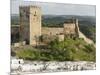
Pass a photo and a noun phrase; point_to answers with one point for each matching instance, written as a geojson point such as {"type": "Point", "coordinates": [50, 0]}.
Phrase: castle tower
{"type": "Point", "coordinates": [71, 28]}
{"type": "Point", "coordinates": [30, 24]}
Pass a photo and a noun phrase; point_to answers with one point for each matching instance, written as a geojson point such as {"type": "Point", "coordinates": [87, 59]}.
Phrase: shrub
{"type": "Point", "coordinates": [67, 50]}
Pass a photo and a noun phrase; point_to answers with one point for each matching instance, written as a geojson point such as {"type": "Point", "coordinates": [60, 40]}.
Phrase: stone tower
{"type": "Point", "coordinates": [71, 28]}
{"type": "Point", "coordinates": [30, 24]}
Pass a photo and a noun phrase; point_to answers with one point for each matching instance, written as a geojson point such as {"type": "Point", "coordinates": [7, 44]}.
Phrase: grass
{"type": "Point", "coordinates": [67, 50]}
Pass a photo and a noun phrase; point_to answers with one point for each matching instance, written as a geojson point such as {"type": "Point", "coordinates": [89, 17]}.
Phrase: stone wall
{"type": "Point", "coordinates": [24, 23]}
{"type": "Point", "coordinates": [35, 24]}
{"type": "Point", "coordinates": [52, 30]}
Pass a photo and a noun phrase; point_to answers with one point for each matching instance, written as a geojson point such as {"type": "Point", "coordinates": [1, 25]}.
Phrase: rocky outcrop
{"type": "Point", "coordinates": [54, 66]}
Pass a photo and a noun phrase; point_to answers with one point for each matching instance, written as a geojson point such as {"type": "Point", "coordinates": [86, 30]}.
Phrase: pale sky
{"type": "Point", "coordinates": [56, 8]}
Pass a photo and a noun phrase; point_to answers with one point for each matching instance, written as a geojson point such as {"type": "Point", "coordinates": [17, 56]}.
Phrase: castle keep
{"type": "Point", "coordinates": [30, 23]}
{"type": "Point", "coordinates": [30, 27]}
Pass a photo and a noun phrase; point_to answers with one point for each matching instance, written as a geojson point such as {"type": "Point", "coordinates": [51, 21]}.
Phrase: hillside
{"type": "Point", "coordinates": [67, 50]}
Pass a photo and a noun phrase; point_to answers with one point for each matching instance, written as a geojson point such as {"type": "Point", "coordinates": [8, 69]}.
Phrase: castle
{"type": "Point", "coordinates": [30, 23]}
{"type": "Point", "coordinates": [31, 26]}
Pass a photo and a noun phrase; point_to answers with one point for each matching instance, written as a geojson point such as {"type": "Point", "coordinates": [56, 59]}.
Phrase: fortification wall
{"type": "Point", "coordinates": [51, 30]}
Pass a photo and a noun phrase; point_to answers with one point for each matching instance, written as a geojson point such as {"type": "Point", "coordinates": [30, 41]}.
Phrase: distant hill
{"type": "Point", "coordinates": [64, 17]}
{"type": "Point", "coordinates": [60, 18]}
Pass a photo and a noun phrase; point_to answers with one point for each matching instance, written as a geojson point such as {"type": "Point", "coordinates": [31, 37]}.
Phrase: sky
{"type": "Point", "coordinates": [56, 8]}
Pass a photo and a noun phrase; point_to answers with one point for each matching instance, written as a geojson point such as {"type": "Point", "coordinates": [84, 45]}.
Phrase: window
{"type": "Point", "coordinates": [35, 13]}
